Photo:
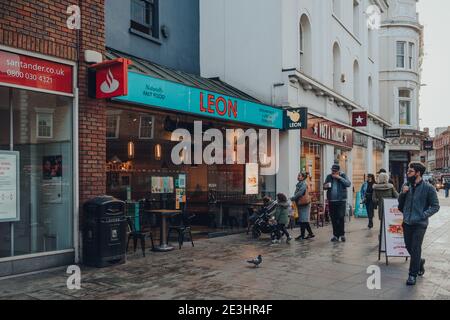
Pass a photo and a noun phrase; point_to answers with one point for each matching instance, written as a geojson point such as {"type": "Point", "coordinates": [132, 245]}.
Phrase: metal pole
{"type": "Point", "coordinates": [11, 147]}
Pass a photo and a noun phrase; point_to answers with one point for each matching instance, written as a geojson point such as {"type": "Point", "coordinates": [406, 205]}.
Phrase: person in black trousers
{"type": "Point", "coordinates": [368, 199]}
{"type": "Point", "coordinates": [336, 185]}
{"type": "Point", "coordinates": [418, 202]}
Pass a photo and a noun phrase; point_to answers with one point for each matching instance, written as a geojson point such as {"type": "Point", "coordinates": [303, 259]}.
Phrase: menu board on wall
{"type": "Point", "coordinates": [251, 178]}
{"type": "Point", "coordinates": [162, 185]}
{"type": "Point", "coordinates": [392, 241]}
{"type": "Point", "coordinates": [9, 186]}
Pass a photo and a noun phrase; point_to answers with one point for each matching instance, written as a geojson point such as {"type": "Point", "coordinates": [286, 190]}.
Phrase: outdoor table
{"type": "Point", "coordinates": [163, 247]}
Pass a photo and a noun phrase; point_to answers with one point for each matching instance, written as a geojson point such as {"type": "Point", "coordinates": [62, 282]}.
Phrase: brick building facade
{"type": "Point", "coordinates": [39, 28]}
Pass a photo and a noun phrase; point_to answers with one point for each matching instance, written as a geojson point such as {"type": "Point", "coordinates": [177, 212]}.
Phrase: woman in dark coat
{"type": "Point", "coordinates": [367, 198]}
{"type": "Point", "coordinates": [383, 190]}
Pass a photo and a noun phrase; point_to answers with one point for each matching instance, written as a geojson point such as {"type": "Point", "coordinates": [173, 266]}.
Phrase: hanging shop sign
{"type": "Point", "coordinates": [9, 186]}
{"type": "Point", "coordinates": [328, 132]}
{"type": "Point", "coordinates": [109, 79]}
{"type": "Point", "coordinates": [295, 119]}
{"type": "Point", "coordinates": [428, 145]}
{"type": "Point", "coordinates": [359, 119]}
{"type": "Point", "coordinates": [153, 92]}
{"type": "Point", "coordinates": [251, 178]}
{"type": "Point", "coordinates": [392, 240]}
{"type": "Point", "coordinates": [22, 71]}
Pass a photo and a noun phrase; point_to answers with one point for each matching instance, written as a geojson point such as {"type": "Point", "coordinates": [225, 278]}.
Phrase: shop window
{"type": "Point", "coordinates": [144, 17]}
{"type": "Point", "coordinates": [112, 126]}
{"type": "Point", "coordinates": [146, 127]}
{"type": "Point", "coordinates": [46, 171]}
{"type": "Point", "coordinates": [44, 125]}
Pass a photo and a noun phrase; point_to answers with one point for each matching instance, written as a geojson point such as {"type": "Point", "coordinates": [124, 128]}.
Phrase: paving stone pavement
{"type": "Point", "coordinates": [217, 269]}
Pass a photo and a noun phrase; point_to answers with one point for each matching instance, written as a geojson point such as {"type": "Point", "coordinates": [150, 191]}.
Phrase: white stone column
{"type": "Point", "coordinates": [370, 166]}
{"type": "Point", "coordinates": [289, 162]}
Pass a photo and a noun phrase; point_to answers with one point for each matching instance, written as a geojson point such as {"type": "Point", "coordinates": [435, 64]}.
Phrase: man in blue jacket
{"type": "Point", "coordinates": [336, 185]}
{"type": "Point", "coordinates": [418, 201]}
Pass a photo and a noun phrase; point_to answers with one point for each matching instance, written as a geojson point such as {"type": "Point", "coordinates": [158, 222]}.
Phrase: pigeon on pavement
{"type": "Point", "coordinates": [257, 261]}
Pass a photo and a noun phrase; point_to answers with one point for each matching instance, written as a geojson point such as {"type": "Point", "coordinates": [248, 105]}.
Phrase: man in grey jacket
{"type": "Point", "coordinates": [336, 185]}
{"type": "Point", "coordinates": [418, 202]}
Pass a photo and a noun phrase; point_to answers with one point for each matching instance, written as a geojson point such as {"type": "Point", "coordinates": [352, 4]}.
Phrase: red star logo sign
{"type": "Point", "coordinates": [359, 119]}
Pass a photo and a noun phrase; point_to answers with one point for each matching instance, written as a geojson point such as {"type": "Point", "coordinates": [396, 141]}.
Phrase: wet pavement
{"type": "Point", "coordinates": [217, 269]}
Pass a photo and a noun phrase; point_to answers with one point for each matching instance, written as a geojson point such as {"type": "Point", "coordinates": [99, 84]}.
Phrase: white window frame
{"type": "Point", "coordinates": [140, 127]}
{"type": "Point", "coordinates": [411, 54]}
{"type": "Point", "coordinates": [41, 114]}
{"type": "Point", "coordinates": [301, 43]}
{"type": "Point", "coordinates": [397, 55]}
{"type": "Point", "coordinates": [404, 99]}
{"type": "Point", "coordinates": [117, 129]}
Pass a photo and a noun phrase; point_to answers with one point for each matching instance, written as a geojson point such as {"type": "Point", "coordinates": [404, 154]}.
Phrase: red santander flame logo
{"type": "Point", "coordinates": [111, 78]}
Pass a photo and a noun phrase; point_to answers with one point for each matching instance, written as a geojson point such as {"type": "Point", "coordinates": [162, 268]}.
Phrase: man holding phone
{"type": "Point", "coordinates": [336, 185]}
{"type": "Point", "coordinates": [418, 202]}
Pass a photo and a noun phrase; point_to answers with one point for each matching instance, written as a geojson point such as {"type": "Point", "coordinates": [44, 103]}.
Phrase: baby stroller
{"type": "Point", "coordinates": [261, 221]}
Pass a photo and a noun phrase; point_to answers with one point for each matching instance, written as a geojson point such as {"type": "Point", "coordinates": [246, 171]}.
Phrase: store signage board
{"type": "Point", "coordinates": [359, 119]}
{"type": "Point", "coordinates": [407, 143]}
{"type": "Point", "coordinates": [251, 178]}
{"type": "Point", "coordinates": [392, 240]}
{"type": "Point", "coordinates": [149, 91]}
{"type": "Point", "coordinates": [295, 119]}
{"type": "Point", "coordinates": [24, 71]}
{"type": "Point", "coordinates": [428, 145]}
{"type": "Point", "coordinates": [111, 78]}
{"type": "Point", "coordinates": [392, 133]}
{"type": "Point", "coordinates": [324, 131]}
{"type": "Point", "coordinates": [9, 186]}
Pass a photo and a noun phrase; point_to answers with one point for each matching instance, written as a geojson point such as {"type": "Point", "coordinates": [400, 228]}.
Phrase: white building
{"type": "Point", "coordinates": [401, 53]}
{"type": "Point", "coordinates": [304, 53]}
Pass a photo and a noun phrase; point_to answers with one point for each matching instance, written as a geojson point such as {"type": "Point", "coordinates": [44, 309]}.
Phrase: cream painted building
{"type": "Point", "coordinates": [401, 54]}
{"type": "Point", "coordinates": [304, 53]}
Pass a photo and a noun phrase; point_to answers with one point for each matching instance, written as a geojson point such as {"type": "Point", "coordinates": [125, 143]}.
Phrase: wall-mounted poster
{"type": "Point", "coordinates": [162, 185]}
{"type": "Point", "coordinates": [9, 186]}
{"type": "Point", "coordinates": [52, 179]}
{"type": "Point", "coordinates": [251, 178]}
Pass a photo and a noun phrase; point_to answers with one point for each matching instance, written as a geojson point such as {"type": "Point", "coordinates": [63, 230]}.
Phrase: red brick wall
{"type": "Point", "coordinates": [41, 26]}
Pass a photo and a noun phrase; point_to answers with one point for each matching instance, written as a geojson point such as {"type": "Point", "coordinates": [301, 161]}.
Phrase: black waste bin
{"type": "Point", "coordinates": [104, 232]}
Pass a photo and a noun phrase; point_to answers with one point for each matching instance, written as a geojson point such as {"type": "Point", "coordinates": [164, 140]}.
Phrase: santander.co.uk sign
{"type": "Point", "coordinates": [25, 71]}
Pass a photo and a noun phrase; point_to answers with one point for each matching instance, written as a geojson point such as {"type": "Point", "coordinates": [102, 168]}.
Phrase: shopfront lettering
{"type": "Point", "coordinates": [218, 105]}
{"type": "Point", "coordinates": [331, 133]}
{"type": "Point", "coordinates": [406, 141]}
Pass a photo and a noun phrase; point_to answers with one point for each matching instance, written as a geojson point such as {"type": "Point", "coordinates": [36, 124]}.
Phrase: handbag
{"type": "Point", "coordinates": [305, 199]}
{"type": "Point", "coordinates": [294, 210]}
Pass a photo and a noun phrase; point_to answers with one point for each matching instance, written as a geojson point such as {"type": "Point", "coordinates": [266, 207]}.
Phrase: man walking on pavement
{"type": "Point", "coordinates": [418, 201]}
{"type": "Point", "coordinates": [336, 185]}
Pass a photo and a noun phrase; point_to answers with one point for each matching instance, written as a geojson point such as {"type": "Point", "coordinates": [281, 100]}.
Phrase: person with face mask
{"type": "Point", "coordinates": [418, 201]}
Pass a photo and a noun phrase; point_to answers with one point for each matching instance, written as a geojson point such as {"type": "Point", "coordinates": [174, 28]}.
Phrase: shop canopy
{"type": "Point", "coordinates": [153, 85]}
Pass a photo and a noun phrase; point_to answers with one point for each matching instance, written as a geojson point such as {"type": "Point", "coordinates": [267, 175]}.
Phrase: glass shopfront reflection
{"type": "Point", "coordinates": [42, 134]}
{"type": "Point", "coordinates": [140, 168]}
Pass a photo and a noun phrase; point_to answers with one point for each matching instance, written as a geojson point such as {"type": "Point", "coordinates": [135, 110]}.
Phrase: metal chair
{"type": "Point", "coordinates": [181, 224]}
{"type": "Point", "coordinates": [138, 235]}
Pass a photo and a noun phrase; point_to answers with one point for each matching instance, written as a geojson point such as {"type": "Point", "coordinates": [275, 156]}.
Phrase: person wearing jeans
{"type": "Point", "coordinates": [336, 185]}
{"type": "Point", "coordinates": [418, 202]}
